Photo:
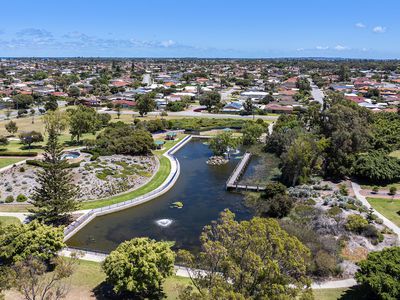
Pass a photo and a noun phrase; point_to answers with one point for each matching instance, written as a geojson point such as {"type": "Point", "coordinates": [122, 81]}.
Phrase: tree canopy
{"type": "Point", "coordinates": [381, 272]}
{"type": "Point", "coordinates": [138, 267]}
{"type": "Point", "coordinates": [253, 259]}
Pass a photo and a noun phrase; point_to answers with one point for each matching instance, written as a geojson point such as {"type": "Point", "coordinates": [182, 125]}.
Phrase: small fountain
{"type": "Point", "coordinates": [164, 222]}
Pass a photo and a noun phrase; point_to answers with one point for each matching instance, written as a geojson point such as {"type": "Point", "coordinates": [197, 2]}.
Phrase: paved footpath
{"type": "Point", "coordinates": [357, 191]}
{"type": "Point", "coordinates": [184, 272]}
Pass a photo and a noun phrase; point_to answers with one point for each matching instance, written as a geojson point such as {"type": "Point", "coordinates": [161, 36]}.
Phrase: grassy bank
{"type": "Point", "coordinates": [4, 162]}
{"type": "Point", "coordinates": [9, 220]}
{"type": "Point", "coordinates": [387, 207]}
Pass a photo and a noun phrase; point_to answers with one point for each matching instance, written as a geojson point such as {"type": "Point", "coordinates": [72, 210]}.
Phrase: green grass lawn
{"type": "Point", "coordinates": [89, 275]}
{"type": "Point", "coordinates": [387, 207]}
{"type": "Point", "coordinates": [9, 161]}
{"type": "Point", "coordinates": [328, 294]}
{"type": "Point", "coordinates": [353, 293]}
{"type": "Point", "coordinates": [9, 220]}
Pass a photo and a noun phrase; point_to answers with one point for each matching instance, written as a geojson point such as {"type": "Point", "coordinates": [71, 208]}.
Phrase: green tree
{"type": "Point", "coordinates": [145, 103]}
{"type": "Point", "coordinates": [253, 259]}
{"type": "Point", "coordinates": [11, 127]}
{"type": "Point", "coordinates": [54, 198]}
{"type": "Point", "coordinates": [82, 120]}
{"type": "Point", "coordinates": [380, 272]}
{"type": "Point", "coordinates": [248, 107]}
{"type": "Point", "coordinates": [19, 242]}
{"type": "Point", "coordinates": [22, 101]}
{"type": "Point", "coordinates": [30, 137]}
{"type": "Point", "coordinates": [74, 92]}
{"type": "Point", "coordinates": [138, 267]}
{"type": "Point", "coordinates": [251, 133]}
{"type": "Point", "coordinates": [117, 108]}
{"type": "Point", "coordinates": [303, 158]}
{"type": "Point", "coordinates": [120, 138]}
{"type": "Point", "coordinates": [221, 142]}
{"type": "Point", "coordinates": [347, 126]}
{"type": "Point", "coordinates": [210, 100]}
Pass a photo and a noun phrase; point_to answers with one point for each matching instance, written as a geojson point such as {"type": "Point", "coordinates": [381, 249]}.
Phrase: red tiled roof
{"type": "Point", "coordinates": [125, 102]}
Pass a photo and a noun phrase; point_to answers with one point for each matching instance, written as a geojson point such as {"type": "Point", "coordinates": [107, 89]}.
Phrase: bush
{"type": "Point", "coordinates": [380, 272]}
{"type": "Point", "coordinates": [356, 223]}
{"type": "Point", "coordinates": [343, 190]}
{"type": "Point", "coordinates": [22, 169]}
{"type": "Point", "coordinates": [334, 211]}
{"type": "Point", "coordinates": [375, 189]}
{"type": "Point", "coordinates": [392, 190]}
{"type": "Point", "coordinates": [15, 153]}
{"type": "Point", "coordinates": [9, 199]}
{"type": "Point", "coordinates": [21, 198]}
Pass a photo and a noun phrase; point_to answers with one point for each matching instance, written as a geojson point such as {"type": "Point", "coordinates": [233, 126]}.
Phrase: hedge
{"type": "Point", "coordinates": [41, 163]}
{"type": "Point", "coordinates": [11, 153]}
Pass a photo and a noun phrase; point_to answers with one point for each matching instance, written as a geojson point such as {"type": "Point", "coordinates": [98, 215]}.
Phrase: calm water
{"type": "Point", "coordinates": [201, 189]}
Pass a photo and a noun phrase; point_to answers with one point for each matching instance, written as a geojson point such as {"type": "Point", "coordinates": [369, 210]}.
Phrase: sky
{"type": "Point", "coordinates": [188, 28]}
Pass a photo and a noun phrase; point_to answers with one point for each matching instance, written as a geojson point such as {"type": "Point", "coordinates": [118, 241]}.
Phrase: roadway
{"type": "Point", "coordinates": [316, 92]}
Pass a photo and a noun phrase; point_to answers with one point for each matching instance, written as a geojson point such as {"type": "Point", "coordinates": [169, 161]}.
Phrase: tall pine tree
{"type": "Point", "coordinates": [55, 197]}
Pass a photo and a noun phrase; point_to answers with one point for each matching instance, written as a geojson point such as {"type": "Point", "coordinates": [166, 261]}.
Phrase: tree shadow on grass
{"type": "Point", "coordinates": [358, 293]}
{"type": "Point", "coordinates": [104, 291]}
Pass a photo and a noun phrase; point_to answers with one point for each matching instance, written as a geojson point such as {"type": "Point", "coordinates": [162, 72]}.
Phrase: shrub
{"type": "Point", "coordinates": [22, 169]}
{"type": "Point", "coordinates": [310, 202]}
{"type": "Point", "coordinates": [16, 153]}
{"type": "Point", "coordinates": [356, 223]}
{"type": "Point", "coordinates": [375, 189]}
{"type": "Point", "coordinates": [21, 198]}
{"type": "Point", "coordinates": [9, 199]}
{"type": "Point", "coordinates": [334, 211]}
{"type": "Point", "coordinates": [392, 190]}
{"type": "Point", "coordinates": [380, 273]}
{"type": "Point", "coordinates": [343, 190]}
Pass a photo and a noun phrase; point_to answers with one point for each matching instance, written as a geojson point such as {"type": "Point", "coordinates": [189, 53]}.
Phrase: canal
{"type": "Point", "coordinates": [201, 189]}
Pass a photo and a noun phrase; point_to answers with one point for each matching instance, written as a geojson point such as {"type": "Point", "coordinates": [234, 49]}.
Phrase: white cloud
{"type": "Point", "coordinates": [360, 25]}
{"type": "Point", "coordinates": [340, 48]}
{"type": "Point", "coordinates": [167, 43]}
{"type": "Point", "coordinates": [322, 47]}
{"type": "Point", "coordinates": [379, 29]}
{"type": "Point", "coordinates": [300, 49]}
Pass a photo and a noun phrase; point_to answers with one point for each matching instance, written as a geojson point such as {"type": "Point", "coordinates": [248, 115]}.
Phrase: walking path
{"type": "Point", "coordinates": [185, 272]}
{"type": "Point", "coordinates": [357, 191]}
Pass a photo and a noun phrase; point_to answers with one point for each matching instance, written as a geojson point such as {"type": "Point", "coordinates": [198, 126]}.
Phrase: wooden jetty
{"type": "Point", "coordinates": [232, 182]}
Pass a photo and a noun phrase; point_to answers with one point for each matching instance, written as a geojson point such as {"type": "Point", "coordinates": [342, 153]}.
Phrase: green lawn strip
{"type": "Point", "coordinates": [382, 187]}
{"type": "Point", "coordinates": [15, 207]}
{"type": "Point", "coordinates": [328, 294]}
{"type": "Point", "coordinates": [172, 286]}
{"type": "Point", "coordinates": [387, 207]}
{"type": "Point", "coordinates": [156, 181]}
{"type": "Point", "coordinates": [9, 161]}
{"type": "Point", "coordinates": [4, 220]}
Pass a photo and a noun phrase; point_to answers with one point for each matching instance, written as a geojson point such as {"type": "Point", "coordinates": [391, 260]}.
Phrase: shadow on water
{"type": "Point", "coordinates": [201, 189]}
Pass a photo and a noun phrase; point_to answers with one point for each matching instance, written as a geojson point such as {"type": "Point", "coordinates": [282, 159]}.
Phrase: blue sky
{"type": "Point", "coordinates": [218, 28]}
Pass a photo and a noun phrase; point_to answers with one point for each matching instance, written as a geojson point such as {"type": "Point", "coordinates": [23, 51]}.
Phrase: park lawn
{"type": "Point", "coordinates": [6, 161]}
{"type": "Point", "coordinates": [328, 294]}
{"type": "Point", "coordinates": [88, 275]}
{"type": "Point", "coordinates": [158, 178]}
{"type": "Point", "coordinates": [15, 207]}
{"type": "Point", "coordinates": [382, 186]}
{"type": "Point", "coordinates": [5, 220]}
{"type": "Point", "coordinates": [387, 207]}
